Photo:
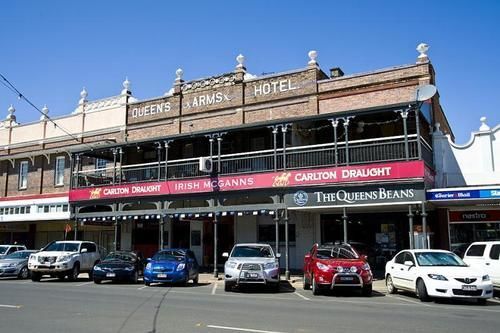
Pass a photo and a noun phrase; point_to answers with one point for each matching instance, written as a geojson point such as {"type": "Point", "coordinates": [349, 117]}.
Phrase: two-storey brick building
{"type": "Point", "coordinates": [290, 159]}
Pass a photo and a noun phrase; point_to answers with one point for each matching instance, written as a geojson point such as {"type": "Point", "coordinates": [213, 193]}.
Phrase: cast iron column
{"type": "Point", "coordinates": [335, 123]}
{"type": "Point", "coordinates": [114, 165]}
{"type": "Point", "coordinates": [404, 115]}
{"type": "Point", "coordinates": [410, 225]}
{"type": "Point", "coordinates": [216, 220]}
{"type": "Point", "coordinates": [424, 226]}
{"type": "Point", "coordinates": [417, 123]}
{"type": "Point", "coordinates": [158, 153]}
{"type": "Point", "coordinates": [120, 151]}
{"type": "Point", "coordinates": [346, 131]}
{"type": "Point", "coordinates": [283, 130]}
{"type": "Point", "coordinates": [344, 218]}
{"type": "Point", "coordinates": [275, 147]}
{"type": "Point", "coordinates": [277, 236]}
{"type": "Point", "coordinates": [287, 256]}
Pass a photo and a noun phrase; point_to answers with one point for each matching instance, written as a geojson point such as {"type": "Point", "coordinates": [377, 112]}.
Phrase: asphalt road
{"type": "Point", "coordinates": [54, 306]}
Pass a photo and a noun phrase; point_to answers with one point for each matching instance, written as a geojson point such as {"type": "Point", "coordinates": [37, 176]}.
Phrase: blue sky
{"type": "Point", "coordinates": [51, 49]}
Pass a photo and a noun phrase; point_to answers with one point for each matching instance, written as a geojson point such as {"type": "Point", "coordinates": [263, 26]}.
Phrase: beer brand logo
{"type": "Point", "coordinates": [95, 193]}
{"type": "Point", "coordinates": [282, 180]}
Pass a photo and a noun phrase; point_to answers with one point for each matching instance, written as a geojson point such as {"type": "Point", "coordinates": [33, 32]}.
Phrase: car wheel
{"type": "Point", "coordinates": [195, 280]}
{"type": "Point", "coordinates": [97, 281]}
{"type": "Point", "coordinates": [23, 273]}
{"type": "Point", "coordinates": [61, 277]}
{"type": "Point", "coordinates": [146, 283]}
{"type": "Point", "coordinates": [306, 285]}
{"type": "Point", "coordinates": [315, 287]}
{"type": "Point", "coordinates": [228, 286]}
{"type": "Point", "coordinates": [276, 287]}
{"type": "Point", "coordinates": [391, 289]}
{"type": "Point", "coordinates": [481, 301]}
{"type": "Point", "coordinates": [367, 290]}
{"type": "Point", "coordinates": [422, 291]}
{"type": "Point", "coordinates": [73, 275]}
{"type": "Point", "coordinates": [35, 276]}
{"type": "Point", "coordinates": [135, 277]}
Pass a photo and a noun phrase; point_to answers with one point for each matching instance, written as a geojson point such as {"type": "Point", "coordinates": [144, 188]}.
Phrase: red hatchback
{"type": "Point", "coordinates": [338, 265]}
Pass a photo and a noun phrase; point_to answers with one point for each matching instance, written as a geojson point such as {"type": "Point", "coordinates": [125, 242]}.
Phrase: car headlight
{"type": "Point", "coordinates": [340, 269]}
{"type": "Point", "coordinates": [486, 277]}
{"type": "Point", "coordinates": [354, 269]}
{"type": "Point", "coordinates": [64, 258]}
{"type": "Point", "coordinates": [271, 265]}
{"type": "Point", "coordinates": [129, 268]}
{"type": "Point", "coordinates": [97, 268]}
{"type": "Point", "coordinates": [231, 264]}
{"type": "Point", "coordinates": [437, 277]}
{"type": "Point", "coordinates": [180, 267]}
{"type": "Point", "coordinates": [322, 267]}
{"type": "Point", "coordinates": [366, 267]}
{"type": "Point", "coordinates": [148, 266]}
{"type": "Point", "coordinates": [32, 258]}
{"type": "Point", "coordinates": [12, 265]}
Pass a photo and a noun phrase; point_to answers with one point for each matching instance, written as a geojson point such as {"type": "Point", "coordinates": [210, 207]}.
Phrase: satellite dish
{"type": "Point", "coordinates": [425, 92]}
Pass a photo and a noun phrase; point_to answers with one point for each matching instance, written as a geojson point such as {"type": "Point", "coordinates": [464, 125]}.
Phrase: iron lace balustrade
{"type": "Point", "coordinates": [312, 156]}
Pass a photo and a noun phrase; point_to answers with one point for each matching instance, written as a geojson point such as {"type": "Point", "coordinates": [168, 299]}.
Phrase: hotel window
{"type": "Point", "coordinates": [23, 175]}
{"type": "Point", "coordinates": [59, 171]}
{"type": "Point", "coordinates": [100, 165]}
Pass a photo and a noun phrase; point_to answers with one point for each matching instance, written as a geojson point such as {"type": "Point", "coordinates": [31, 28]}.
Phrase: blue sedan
{"type": "Point", "coordinates": [173, 266]}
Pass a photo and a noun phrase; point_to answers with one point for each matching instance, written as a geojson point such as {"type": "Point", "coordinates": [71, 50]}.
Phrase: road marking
{"type": "Point", "coordinates": [408, 300]}
{"type": "Point", "coordinates": [140, 288]}
{"type": "Point", "coordinates": [302, 296]}
{"type": "Point", "coordinates": [240, 329]}
{"type": "Point", "coordinates": [83, 284]}
{"type": "Point", "coordinates": [214, 288]}
{"type": "Point", "coordinates": [10, 306]}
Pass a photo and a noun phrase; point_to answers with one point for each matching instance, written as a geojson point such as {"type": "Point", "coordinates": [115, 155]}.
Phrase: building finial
{"type": "Point", "coordinates": [241, 63]}
{"type": "Point", "coordinates": [422, 48]}
{"type": "Point", "coordinates": [484, 126]}
{"type": "Point", "coordinates": [312, 56]}
{"type": "Point", "coordinates": [83, 95]}
{"type": "Point", "coordinates": [45, 112]}
{"type": "Point", "coordinates": [11, 111]}
{"type": "Point", "coordinates": [178, 75]}
{"type": "Point", "coordinates": [126, 86]}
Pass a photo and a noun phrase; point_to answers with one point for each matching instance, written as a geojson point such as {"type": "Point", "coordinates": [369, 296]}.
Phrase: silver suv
{"type": "Point", "coordinates": [5, 250]}
{"type": "Point", "coordinates": [64, 258]}
{"type": "Point", "coordinates": [251, 264]}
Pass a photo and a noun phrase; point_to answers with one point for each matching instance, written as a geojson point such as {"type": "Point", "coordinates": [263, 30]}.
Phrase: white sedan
{"type": "Point", "coordinates": [436, 273]}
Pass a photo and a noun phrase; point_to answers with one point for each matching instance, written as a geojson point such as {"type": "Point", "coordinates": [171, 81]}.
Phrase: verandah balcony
{"type": "Point", "coordinates": [356, 152]}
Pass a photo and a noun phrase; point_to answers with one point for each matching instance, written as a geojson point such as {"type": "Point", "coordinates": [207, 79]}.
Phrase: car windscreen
{"type": "Point", "coordinates": [68, 247]}
{"type": "Point", "coordinates": [19, 255]}
{"type": "Point", "coordinates": [336, 252]}
{"type": "Point", "coordinates": [252, 251]}
{"type": "Point", "coordinates": [438, 259]}
{"type": "Point", "coordinates": [173, 255]}
{"type": "Point", "coordinates": [121, 256]}
{"type": "Point", "coordinates": [3, 249]}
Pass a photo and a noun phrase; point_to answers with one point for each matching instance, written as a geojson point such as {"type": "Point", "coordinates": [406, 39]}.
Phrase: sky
{"type": "Point", "coordinates": [50, 50]}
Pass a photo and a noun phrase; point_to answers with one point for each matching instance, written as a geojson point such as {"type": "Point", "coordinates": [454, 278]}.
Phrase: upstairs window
{"type": "Point", "coordinates": [59, 171]}
{"type": "Point", "coordinates": [23, 175]}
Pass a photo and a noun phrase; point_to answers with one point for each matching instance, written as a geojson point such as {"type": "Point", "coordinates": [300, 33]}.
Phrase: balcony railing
{"type": "Point", "coordinates": [311, 156]}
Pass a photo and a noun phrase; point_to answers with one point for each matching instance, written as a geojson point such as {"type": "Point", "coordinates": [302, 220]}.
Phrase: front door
{"type": "Point", "coordinates": [196, 244]}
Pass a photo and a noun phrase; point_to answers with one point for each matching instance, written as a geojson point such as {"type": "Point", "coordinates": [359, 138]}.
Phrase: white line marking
{"type": "Point", "coordinates": [241, 329]}
{"type": "Point", "coordinates": [302, 296]}
{"type": "Point", "coordinates": [214, 288]}
{"type": "Point", "coordinates": [407, 300]}
{"type": "Point", "coordinates": [140, 288]}
{"type": "Point", "coordinates": [83, 284]}
{"type": "Point", "coordinates": [10, 306]}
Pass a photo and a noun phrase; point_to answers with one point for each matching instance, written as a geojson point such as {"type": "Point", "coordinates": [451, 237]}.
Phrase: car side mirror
{"type": "Point", "coordinates": [278, 255]}
{"type": "Point", "coordinates": [364, 257]}
{"type": "Point", "coordinates": [225, 255]}
{"type": "Point", "coordinates": [83, 250]}
{"type": "Point", "coordinates": [409, 263]}
{"type": "Point", "coordinates": [148, 259]}
{"type": "Point", "coordinates": [307, 256]}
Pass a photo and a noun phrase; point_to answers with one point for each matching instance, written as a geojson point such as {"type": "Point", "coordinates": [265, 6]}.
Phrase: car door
{"type": "Point", "coordinates": [475, 256]}
{"type": "Point", "coordinates": [192, 263]}
{"type": "Point", "coordinates": [397, 269]}
{"type": "Point", "coordinates": [408, 273]}
{"type": "Point", "coordinates": [308, 259]}
{"type": "Point", "coordinates": [85, 257]}
{"type": "Point", "coordinates": [493, 264]}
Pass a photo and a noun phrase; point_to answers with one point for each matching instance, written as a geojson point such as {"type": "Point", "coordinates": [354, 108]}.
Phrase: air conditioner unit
{"type": "Point", "coordinates": [205, 164]}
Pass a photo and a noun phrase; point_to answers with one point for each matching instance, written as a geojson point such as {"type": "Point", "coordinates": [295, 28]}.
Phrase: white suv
{"type": "Point", "coordinates": [64, 258]}
{"type": "Point", "coordinates": [485, 256]}
{"type": "Point", "coordinates": [251, 264]}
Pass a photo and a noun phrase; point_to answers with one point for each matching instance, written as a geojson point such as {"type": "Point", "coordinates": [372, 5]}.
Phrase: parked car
{"type": "Point", "coordinates": [335, 266]}
{"type": "Point", "coordinates": [5, 250]}
{"type": "Point", "coordinates": [172, 265]}
{"type": "Point", "coordinates": [436, 273]}
{"type": "Point", "coordinates": [64, 258]}
{"type": "Point", "coordinates": [485, 256]}
{"type": "Point", "coordinates": [251, 264]}
{"type": "Point", "coordinates": [119, 266]}
{"type": "Point", "coordinates": [459, 250]}
{"type": "Point", "coordinates": [16, 264]}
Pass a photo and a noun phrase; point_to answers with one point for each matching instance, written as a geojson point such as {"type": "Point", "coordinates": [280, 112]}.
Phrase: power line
{"type": "Point", "coordinates": [13, 89]}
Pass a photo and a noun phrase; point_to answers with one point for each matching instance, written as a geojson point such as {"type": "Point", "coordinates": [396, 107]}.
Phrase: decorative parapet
{"type": "Point", "coordinates": [212, 82]}
{"type": "Point", "coordinates": [104, 103]}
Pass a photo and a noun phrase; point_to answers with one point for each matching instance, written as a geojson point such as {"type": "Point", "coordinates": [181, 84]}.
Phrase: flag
{"type": "Point", "coordinates": [67, 228]}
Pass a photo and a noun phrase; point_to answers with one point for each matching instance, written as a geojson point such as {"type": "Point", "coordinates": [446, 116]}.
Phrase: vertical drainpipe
{"type": "Point", "coordinates": [410, 224]}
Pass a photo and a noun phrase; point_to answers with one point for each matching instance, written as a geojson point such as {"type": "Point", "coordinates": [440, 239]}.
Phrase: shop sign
{"type": "Point", "coordinates": [465, 194]}
{"type": "Point", "coordinates": [357, 196]}
{"type": "Point", "coordinates": [475, 216]}
{"type": "Point", "coordinates": [347, 174]}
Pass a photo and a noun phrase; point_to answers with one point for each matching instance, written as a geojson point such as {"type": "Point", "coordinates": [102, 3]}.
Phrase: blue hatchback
{"type": "Point", "coordinates": [172, 265]}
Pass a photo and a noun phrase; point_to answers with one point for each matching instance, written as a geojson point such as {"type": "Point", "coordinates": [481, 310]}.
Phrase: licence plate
{"type": "Point", "coordinates": [110, 274]}
{"type": "Point", "coordinates": [162, 276]}
{"type": "Point", "coordinates": [346, 278]}
{"type": "Point", "coordinates": [251, 275]}
{"type": "Point", "coordinates": [469, 288]}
